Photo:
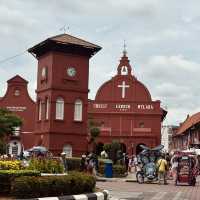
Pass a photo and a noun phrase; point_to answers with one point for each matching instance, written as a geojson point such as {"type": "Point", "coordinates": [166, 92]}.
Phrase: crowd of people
{"type": "Point", "coordinates": [89, 163]}
{"type": "Point", "coordinates": [166, 166]}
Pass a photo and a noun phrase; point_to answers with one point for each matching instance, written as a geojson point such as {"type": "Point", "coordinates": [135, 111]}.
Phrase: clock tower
{"type": "Point", "coordinates": [62, 93]}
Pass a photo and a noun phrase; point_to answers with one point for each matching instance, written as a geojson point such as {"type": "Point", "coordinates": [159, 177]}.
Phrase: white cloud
{"type": "Point", "coordinates": [173, 80]}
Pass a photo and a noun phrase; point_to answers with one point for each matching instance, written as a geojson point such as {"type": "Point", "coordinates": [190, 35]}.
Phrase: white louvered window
{"type": "Point", "coordinates": [78, 107]}
{"type": "Point", "coordinates": [60, 108]}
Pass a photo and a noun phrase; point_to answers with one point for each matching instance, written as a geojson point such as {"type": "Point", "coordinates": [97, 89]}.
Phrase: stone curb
{"type": "Point", "coordinates": [116, 179]}
{"type": "Point", "coordinates": [106, 179]}
{"type": "Point", "coordinates": [90, 196]}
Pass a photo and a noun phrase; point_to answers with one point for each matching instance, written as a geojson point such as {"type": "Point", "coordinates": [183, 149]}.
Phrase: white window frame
{"type": "Point", "coordinates": [16, 131]}
{"type": "Point", "coordinates": [60, 108]}
{"type": "Point", "coordinates": [40, 110]}
{"type": "Point", "coordinates": [78, 110]}
{"type": "Point", "coordinates": [47, 109]}
{"type": "Point", "coordinates": [124, 70]}
{"type": "Point", "coordinates": [67, 148]}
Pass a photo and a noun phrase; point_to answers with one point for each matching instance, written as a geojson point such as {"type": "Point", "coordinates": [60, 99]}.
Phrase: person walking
{"type": "Point", "coordinates": [64, 161]}
{"type": "Point", "coordinates": [162, 170]}
{"type": "Point", "coordinates": [126, 159]}
{"type": "Point", "coordinates": [83, 164]}
{"type": "Point", "coordinates": [174, 166]}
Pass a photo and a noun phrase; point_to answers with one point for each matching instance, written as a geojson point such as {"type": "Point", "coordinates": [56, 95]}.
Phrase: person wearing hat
{"type": "Point", "coordinates": [64, 161]}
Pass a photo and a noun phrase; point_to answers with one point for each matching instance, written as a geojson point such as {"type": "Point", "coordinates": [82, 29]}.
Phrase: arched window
{"type": "Point", "coordinates": [124, 70]}
{"type": "Point", "coordinates": [78, 110]}
{"type": "Point", "coordinates": [17, 92]}
{"type": "Point", "coordinates": [16, 131]}
{"type": "Point", "coordinates": [68, 150]}
{"type": "Point", "coordinates": [60, 108]}
{"type": "Point", "coordinates": [141, 124]}
{"type": "Point", "coordinates": [47, 109]}
{"type": "Point", "coordinates": [39, 110]}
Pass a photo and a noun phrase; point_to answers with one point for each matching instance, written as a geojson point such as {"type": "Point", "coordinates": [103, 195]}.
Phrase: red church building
{"type": "Point", "coordinates": [58, 119]}
{"type": "Point", "coordinates": [18, 100]}
{"type": "Point", "coordinates": [125, 111]}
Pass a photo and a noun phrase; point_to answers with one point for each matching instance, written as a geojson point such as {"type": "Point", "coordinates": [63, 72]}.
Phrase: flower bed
{"type": "Point", "coordinates": [10, 164]}
{"type": "Point", "coordinates": [46, 165]}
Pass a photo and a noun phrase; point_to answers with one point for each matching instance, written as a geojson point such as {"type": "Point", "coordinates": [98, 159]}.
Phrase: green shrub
{"type": "Point", "coordinates": [46, 165]}
{"type": "Point", "coordinates": [7, 176]}
{"type": "Point", "coordinates": [73, 163]}
{"type": "Point", "coordinates": [34, 187]}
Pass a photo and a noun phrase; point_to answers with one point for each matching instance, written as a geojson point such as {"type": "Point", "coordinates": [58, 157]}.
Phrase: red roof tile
{"type": "Point", "coordinates": [189, 122]}
{"type": "Point", "coordinates": [66, 40]}
{"type": "Point", "coordinates": [69, 39]}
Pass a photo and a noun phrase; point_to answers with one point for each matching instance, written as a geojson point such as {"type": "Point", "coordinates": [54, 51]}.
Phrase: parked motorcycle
{"type": "Point", "coordinates": [147, 163]}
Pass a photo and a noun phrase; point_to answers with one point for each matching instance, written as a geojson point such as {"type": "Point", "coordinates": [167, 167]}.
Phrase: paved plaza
{"type": "Point", "coordinates": [119, 189]}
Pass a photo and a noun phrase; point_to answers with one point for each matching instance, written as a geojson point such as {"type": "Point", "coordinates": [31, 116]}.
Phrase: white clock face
{"type": "Point", "coordinates": [71, 71]}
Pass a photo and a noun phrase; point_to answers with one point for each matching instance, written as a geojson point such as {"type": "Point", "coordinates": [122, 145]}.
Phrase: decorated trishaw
{"type": "Point", "coordinates": [147, 160]}
{"type": "Point", "coordinates": [187, 168]}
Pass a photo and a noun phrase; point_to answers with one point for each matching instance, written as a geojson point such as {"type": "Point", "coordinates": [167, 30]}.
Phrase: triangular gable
{"type": "Point", "coordinates": [17, 79]}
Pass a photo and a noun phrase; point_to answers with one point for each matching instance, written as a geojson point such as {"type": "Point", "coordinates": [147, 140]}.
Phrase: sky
{"type": "Point", "coordinates": [162, 39]}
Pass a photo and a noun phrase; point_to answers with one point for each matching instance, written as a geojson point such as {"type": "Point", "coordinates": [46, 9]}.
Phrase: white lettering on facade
{"type": "Point", "coordinates": [16, 108]}
{"type": "Point", "coordinates": [122, 106]}
{"type": "Point", "coordinates": [145, 107]}
{"type": "Point", "coordinates": [96, 105]}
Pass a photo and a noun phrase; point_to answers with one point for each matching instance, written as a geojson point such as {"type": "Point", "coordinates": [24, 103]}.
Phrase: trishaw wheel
{"type": "Point", "coordinates": [176, 182]}
{"type": "Point", "coordinates": [193, 181]}
{"type": "Point", "coordinates": [140, 177]}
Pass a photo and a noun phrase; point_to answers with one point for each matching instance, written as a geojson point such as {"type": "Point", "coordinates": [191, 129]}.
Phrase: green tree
{"type": "Point", "coordinates": [107, 147]}
{"type": "Point", "coordinates": [2, 147]}
{"type": "Point", "coordinates": [113, 150]}
{"type": "Point", "coordinates": [8, 122]}
{"type": "Point", "coordinates": [94, 133]}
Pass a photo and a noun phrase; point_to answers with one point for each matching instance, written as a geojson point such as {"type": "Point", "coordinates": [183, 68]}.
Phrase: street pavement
{"type": "Point", "coordinates": [119, 189]}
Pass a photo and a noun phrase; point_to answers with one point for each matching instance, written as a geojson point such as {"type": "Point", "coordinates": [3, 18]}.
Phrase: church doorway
{"type": "Point", "coordinates": [139, 148]}
{"type": "Point", "coordinates": [99, 148]}
{"type": "Point", "coordinates": [123, 147]}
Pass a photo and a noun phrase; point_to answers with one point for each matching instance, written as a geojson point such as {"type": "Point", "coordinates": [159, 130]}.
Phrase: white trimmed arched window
{"type": "Point", "coordinates": [68, 150]}
{"type": "Point", "coordinates": [78, 109]}
{"type": "Point", "coordinates": [39, 110]}
{"type": "Point", "coordinates": [60, 108]}
{"type": "Point", "coordinates": [47, 109]}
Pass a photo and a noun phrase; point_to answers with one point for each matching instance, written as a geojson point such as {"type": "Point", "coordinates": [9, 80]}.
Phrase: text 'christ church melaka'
{"type": "Point", "coordinates": [58, 120]}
